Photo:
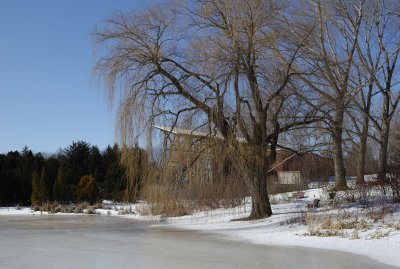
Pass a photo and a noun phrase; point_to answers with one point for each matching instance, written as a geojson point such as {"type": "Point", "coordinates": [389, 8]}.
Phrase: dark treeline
{"type": "Point", "coordinates": [80, 172]}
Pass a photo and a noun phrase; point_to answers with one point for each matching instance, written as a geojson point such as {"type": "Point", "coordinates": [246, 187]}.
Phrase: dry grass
{"type": "Point", "coordinates": [374, 220]}
{"type": "Point", "coordinates": [355, 234]}
{"type": "Point", "coordinates": [379, 213]}
{"type": "Point", "coordinates": [298, 218]}
{"type": "Point", "coordinates": [395, 225]}
{"type": "Point", "coordinates": [90, 211]}
{"type": "Point", "coordinates": [55, 207]}
{"type": "Point", "coordinates": [163, 200]}
{"type": "Point", "coordinates": [325, 225]}
{"type": "Point", "coordinates": [126, 211]}
{"type": "Point", "coordinates": [380, 233]}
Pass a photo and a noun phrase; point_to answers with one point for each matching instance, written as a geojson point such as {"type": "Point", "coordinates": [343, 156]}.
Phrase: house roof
{"type": "Point", "coordinates": [180, 131]}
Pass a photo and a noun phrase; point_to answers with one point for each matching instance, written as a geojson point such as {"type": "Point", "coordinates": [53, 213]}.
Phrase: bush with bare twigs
{"type": "Point", "coordinates": [393, 182]}
{"type": "Point", "coordinates": [364, 192]}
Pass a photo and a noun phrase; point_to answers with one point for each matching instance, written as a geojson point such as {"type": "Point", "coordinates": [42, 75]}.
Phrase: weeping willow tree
{"type": "Point", "coordinates": [220, 63]}
{"type": "Point", "coordinates": [198, 172]}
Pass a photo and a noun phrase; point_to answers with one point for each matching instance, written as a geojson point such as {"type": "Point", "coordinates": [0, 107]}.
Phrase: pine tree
{"type": "Point", "coordinates": [38, 195]}
{"type": "Point", "coordinates": [60, 189]}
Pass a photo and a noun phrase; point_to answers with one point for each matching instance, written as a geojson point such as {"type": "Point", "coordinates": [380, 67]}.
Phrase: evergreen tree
{"type": "Point", "coordinates": [5, 183]}
{"type": "Point", "coordinates": [77, 156]}
{"type": "Point", "coordinates": [114, 185]}
{"type": "Point", "coordinates": [38, 189]}
{"type": "Point", "coordinates": [49, 175]}
{"type": "Point", "coordinates": [60, 189]}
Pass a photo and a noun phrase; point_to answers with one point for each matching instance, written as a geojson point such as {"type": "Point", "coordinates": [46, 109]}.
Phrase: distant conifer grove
{"type": "Point", "coordinates": [80, 172]}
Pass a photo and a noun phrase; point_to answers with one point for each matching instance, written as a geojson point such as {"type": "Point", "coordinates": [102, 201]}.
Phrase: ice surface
{"type": "Point", "coordinates": [109, 242]}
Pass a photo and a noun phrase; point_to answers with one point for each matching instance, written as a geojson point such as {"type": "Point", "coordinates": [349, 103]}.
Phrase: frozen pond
{"type": "Point", "coordinates": [96, 242]}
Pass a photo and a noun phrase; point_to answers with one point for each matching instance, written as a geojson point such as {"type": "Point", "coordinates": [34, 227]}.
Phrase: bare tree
{"type": "Point", "coordinates": [328, 65]}
{"type": "Point", "coordinates": [214, 61]}
{"type": "Point", "coordinates": [378, 52]}
{"type": "Point", "coordinates": [360, 118]}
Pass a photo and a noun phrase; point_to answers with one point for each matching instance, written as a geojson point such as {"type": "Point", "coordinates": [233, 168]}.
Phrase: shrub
{"type": "Point", "coordinates": [393, 181]}
{"type": "Point", "coordinates": [297, 218]}
{"type": "Point", "coordinates": [364, 193]}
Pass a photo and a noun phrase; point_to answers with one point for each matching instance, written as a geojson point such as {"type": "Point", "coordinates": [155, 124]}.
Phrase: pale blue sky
{"type": "Point", "coordinates": [47, 95]}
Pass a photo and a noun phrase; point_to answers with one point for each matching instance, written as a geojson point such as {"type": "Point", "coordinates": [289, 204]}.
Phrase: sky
{"type": "Point", "coordinates": [48, 97]}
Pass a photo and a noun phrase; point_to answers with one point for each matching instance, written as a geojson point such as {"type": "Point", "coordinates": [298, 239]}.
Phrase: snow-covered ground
{"type": "Point", "coordinates": [360, 231]}
{"type": "Point", "coordinates": [281, 229]}
{"type": "Point", "coordinates": [285, 228]}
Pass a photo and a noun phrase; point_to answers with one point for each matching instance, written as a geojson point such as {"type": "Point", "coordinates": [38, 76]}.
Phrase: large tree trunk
{"type": "Point", "coordinates": [340, 172]}
{"type": "Point", "coordinates": [257, 168]}
{"type": "Point", "coordinates": [260, 205]}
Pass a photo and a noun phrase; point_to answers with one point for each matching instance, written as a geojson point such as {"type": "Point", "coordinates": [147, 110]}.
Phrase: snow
{"type": "Point", "coordinates": [270, 232]}
{"type": "Point", "coordinates": [5, 211]}
{"type": "Point", "coordinates": [283, 228]}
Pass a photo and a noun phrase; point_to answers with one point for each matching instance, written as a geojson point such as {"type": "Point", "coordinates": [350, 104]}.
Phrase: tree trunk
{"type": "Point", "coordinates": [383, 152]}
{"type": "Point", "coordinates": [361, 161]}
{"type": "Point", "coordinates": [364, 138]}
{"type": "Point", "coordinates": [363, 152]}
{"type": "Point", "coordinates": [257, 168]}
{"type": "Point", "coordinates": [340, 172]}
{"type": "Point", "coordinates": [260, 205]}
